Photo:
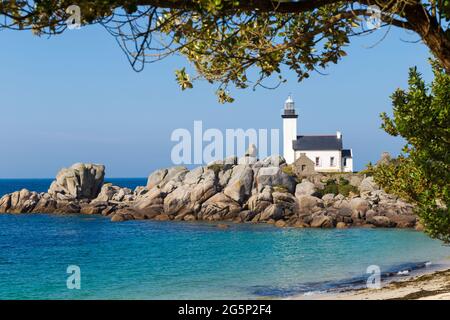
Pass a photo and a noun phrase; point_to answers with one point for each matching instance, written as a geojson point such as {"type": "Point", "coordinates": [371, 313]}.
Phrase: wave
{"type": "Point", "coordinates": [357, 282]}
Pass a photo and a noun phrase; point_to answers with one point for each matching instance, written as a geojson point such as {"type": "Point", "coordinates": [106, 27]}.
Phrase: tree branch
{"type": "Point", "coordinates": [247, 5]}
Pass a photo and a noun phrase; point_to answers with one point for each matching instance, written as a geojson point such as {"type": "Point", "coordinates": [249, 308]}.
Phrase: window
{"type": "Point", "coordinates": [331, 161]}
{"type": "Point", "coordinates": [317, 161]}
{"type": "Point", "coordinates": [303, 167]}
{"type": "Point", "coordinates": [345, 162]}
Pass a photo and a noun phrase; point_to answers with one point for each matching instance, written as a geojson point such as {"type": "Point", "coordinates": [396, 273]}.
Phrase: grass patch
{"type": "Point", "coordinates": [288, 170]}
{"type": "Point", "coordinates": [341, 186]}
{"type": "Point", "coordinates": [280, 188]}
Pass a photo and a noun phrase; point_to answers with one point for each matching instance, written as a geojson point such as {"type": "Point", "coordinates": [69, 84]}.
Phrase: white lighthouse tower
{"type": "Point", "coordinates": [289, 129]}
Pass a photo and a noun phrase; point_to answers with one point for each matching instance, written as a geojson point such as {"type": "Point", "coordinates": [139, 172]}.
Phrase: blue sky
{"type": "Point", "coordinates": [74, 98]}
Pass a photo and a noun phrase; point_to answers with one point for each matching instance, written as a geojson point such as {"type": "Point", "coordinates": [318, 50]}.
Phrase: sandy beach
{"type": "Point", "coordinates": [431, 286]}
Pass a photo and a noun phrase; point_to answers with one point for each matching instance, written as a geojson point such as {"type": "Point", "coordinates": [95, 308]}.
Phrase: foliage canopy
{"type": "Point", "coordinates": [225, 39]}
{"type": "Point", "coordinates": [422, 174]}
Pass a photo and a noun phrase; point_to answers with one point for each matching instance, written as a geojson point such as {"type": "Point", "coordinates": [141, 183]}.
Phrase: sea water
{"type": "Point", "coordinates": [193, 260]}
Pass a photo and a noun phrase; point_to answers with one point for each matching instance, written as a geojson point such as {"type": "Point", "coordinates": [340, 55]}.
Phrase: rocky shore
{"type": "Point", "coordinates": [237, 190]}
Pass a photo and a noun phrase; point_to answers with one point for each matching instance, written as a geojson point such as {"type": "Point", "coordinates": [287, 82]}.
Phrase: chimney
{"type": "Point", "coordinates": [338, 135]}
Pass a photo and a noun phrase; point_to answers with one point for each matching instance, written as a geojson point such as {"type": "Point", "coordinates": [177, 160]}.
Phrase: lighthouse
{"type": "Point", "coordinates": [289, 129]}
{"type": "Point", "coordinates": [312, 153]}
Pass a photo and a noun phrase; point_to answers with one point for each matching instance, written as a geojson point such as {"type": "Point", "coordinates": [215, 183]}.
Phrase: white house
{"type": "Point", "coordinates": [326, 151]}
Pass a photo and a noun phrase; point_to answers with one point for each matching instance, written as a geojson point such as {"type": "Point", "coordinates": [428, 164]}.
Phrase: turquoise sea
{"type": "Point", "coordinates": [182, 260]}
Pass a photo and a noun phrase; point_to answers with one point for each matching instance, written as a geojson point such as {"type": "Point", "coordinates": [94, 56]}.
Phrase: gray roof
{"type": "Point", "coordinates": [347, 153]}
{"type": "Point", "coordinates": [330, 142]}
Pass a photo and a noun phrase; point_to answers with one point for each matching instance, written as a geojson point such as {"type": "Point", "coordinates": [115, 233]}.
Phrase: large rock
{"type": "Point", "coordinates": [123, 215]}
{"type": "Point", "coordinates": [359, 205]}
{"type": "Point", "coordinates": [322, 221]}
{"type": "Point", "coordinates": [124, 195]}
{"type": "Point", "coordinates": [273, 211]}
{"type": "Point", "coordinates": [225, 164]}
{"type": "Point", "coordinates": [328, 199]}
{"type": "Point", "coordinates": [181, 192]}
{"type": "Point", "coordinates": [156, 177]}
{"type": "Point", "coordinates": [250, 156]}
{"type": "Point", "coordinates": [117, 217]}
{"type": "Point", "coordinates": [206, 188]}
{"type": "Point", "coordinates": [402, 220]}
{"type": "Point", "coordinates": [178, 201]}
{"type": "Point", "coordinates": [22, 201]}
{"type": "Point", "coordinates": [67, 207]}
{"type": "Point", "coordinates": [5, 203]}
{"type": "Point", "coordinates": [340, 203]}
{"type": "Point", "coordinates": [356, 208]}
{"type": "Point", "coordinates": [46, 204]}
{"type": "Point", "coordinates": [368, 185]}
{"type": "Point", "coordinates": [270, 161]}
{"type": "Point", "coordinates": [142, 211]}
{"type": "Point", "coordinates": [193, 176]}
{"type": "Point", "coordinates": [274, 177]}
{"type": "Point", "coordinates": [219, 207]}
{"type": "Point", "coordinates": [341, 225]}
{"type": "Point", "coordinates": [151, 205]}
{"type": "Point", "coordinates": [305, 188]}
{"type": "Point", "coordinates": [80, 181]}
{"type": "Point", "coordinates": [139, 191]}
{"type": "Point", "coordinates": [355, 179]}
{"type": "Point", "coordinates": [93, 207]}
{"type": "Point", "coordinates": [109, 192]}
{"type": "Point", "coordinates": [167, 179]}
{"type": "Point", "coordinates": [308, 203]}
{"type": "Point", "coordinates": [381, 222]}
{"type": "Point", "coordinates": [252, 151]}
{"type": "Point", "coordinates": [247, 160]}
{"type": "Point", "coordinates": [239, 186]}
{"type": "Point", "coordinates": [188, 198]}
{"type": "Point", "coordinates": [224, 177]}
{"type": "Point", "coordinates": [347, 212]}
{"type": "Point", "coordinates": [245, 216]}
{"type": "Point", "coordinates": [149, 208]}
{"type": "Point", "coordinates": [260, 201]}
{"type": "Point", "coordinates": [280, 224]}
{"type": "Point", "coordinates": [286, 201]}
